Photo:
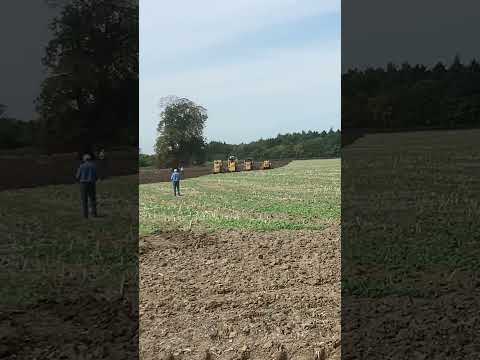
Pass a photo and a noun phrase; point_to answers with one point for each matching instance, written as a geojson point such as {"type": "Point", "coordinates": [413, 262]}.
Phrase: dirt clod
{"type": "Point", "coordinates": [240, 306]}
{"type": "Point", "coordinates": [320, 354]}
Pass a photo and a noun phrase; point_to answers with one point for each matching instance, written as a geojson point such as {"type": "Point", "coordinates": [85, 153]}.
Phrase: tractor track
{"type": "Point", "coordinates": [152, 175]}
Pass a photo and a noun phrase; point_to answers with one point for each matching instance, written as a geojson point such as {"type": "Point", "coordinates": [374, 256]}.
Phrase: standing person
{"type": "Point", "coordinates": [87, 177]}
{"type": "Point", "coordinates": [175, 178]}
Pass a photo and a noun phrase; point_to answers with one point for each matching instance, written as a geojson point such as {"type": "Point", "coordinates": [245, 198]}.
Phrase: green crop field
{"type": "Point", "coordinates": [410, 214]}
{"type": "Point", "coordinates": [302, 195]}
{"type": "Point", "coordinates": [49, 250]}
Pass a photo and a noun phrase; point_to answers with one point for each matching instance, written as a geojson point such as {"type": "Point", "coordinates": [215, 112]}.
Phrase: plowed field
{"type": "Point", "coordinates": [243, 265]}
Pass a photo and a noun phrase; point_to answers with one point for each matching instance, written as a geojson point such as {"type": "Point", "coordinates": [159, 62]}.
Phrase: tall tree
{"type": "Point", "coordinates": [180, 133]}
{"type": "Point", "coordinates": [91, 91]}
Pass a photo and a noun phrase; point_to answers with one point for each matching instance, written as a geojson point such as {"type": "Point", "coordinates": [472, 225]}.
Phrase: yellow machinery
{"type": "Point", "coordinates": [248, 165]}
{"type": "Point", "coordinates": [232, 164]}
{"type": "Point", "coordinates": [217, 166]}
{"type": "Point", "coordinates": [266, 164]}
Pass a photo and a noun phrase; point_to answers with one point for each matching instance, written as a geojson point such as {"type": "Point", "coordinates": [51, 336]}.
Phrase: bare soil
{"type": "Point", "coordinates": [84, 328]}
{"type": "Point", "coordinates": [240, 295]}
{"type": "Point", "coordinates": [401, 327]}
{"type": "Point", "coordinates": [32, 170]}
{"type": "Point", "coordinates": [154, 175]}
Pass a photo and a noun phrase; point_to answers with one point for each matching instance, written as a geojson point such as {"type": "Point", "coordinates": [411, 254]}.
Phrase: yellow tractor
{"type": "Point", "coordinates": [232, 164]}
{"type": "Point", "coordinates": [267, 164]}
{"type": "Point", "coordinates": [217, 166]}
{"type": "Point", "coordinates": [248, 164]}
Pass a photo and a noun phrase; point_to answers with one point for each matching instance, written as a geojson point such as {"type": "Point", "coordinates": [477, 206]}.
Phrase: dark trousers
{"type": "Point", "coordinates": [176, 187]}
{"type": "Point", "coordinates": [88, 193]}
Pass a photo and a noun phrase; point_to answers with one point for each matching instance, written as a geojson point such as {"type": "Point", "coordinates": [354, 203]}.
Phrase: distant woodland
{"type": "Point", "coordinates": [406, 97]}
{"type": "Point", "coordinates": [310, 144]}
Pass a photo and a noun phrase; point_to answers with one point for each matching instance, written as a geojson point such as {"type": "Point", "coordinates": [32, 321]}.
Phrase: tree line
{"type": "Point", "coordinates": [15, 133]}
{"type": "Point", "coordinates": [410, 97]}
{"type": "Point", "coordinates": [297, 145]}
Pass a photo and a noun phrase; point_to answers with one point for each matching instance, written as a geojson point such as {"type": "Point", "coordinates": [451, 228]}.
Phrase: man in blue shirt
{"type": "Point", "coordinates": [87, 177]}
{"type": "Point", "coordinates": [175, 178]}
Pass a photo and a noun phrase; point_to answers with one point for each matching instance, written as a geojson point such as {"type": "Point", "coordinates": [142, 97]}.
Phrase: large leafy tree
{"type": "Point", "coordinates": [180, 133]}
{"type": "Point", "coordinates": [91, 92]}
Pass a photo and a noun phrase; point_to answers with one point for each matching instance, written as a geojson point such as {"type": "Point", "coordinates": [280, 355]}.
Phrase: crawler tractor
{"type": "Point", "coordinates": [248, 165]}
{"type": "Point", "coordinates": [217, 166]}
{"type": "Point", "coordinates": [232, 164]}
{"type": "Point", "coordinates": [266, 164]}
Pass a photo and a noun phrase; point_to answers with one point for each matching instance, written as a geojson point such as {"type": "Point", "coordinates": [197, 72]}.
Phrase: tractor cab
{"type": "Point", "coordinates": [232, 164]}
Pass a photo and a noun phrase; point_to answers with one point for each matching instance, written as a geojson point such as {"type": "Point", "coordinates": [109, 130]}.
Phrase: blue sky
{"type": "Point", "coordinates": [259, 67]}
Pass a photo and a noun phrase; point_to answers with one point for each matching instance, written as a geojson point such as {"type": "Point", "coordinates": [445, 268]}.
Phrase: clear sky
{"type": "Point", "coordinates": [375, 32]}
{"type": "Point", "coordinates": [259, 67]}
